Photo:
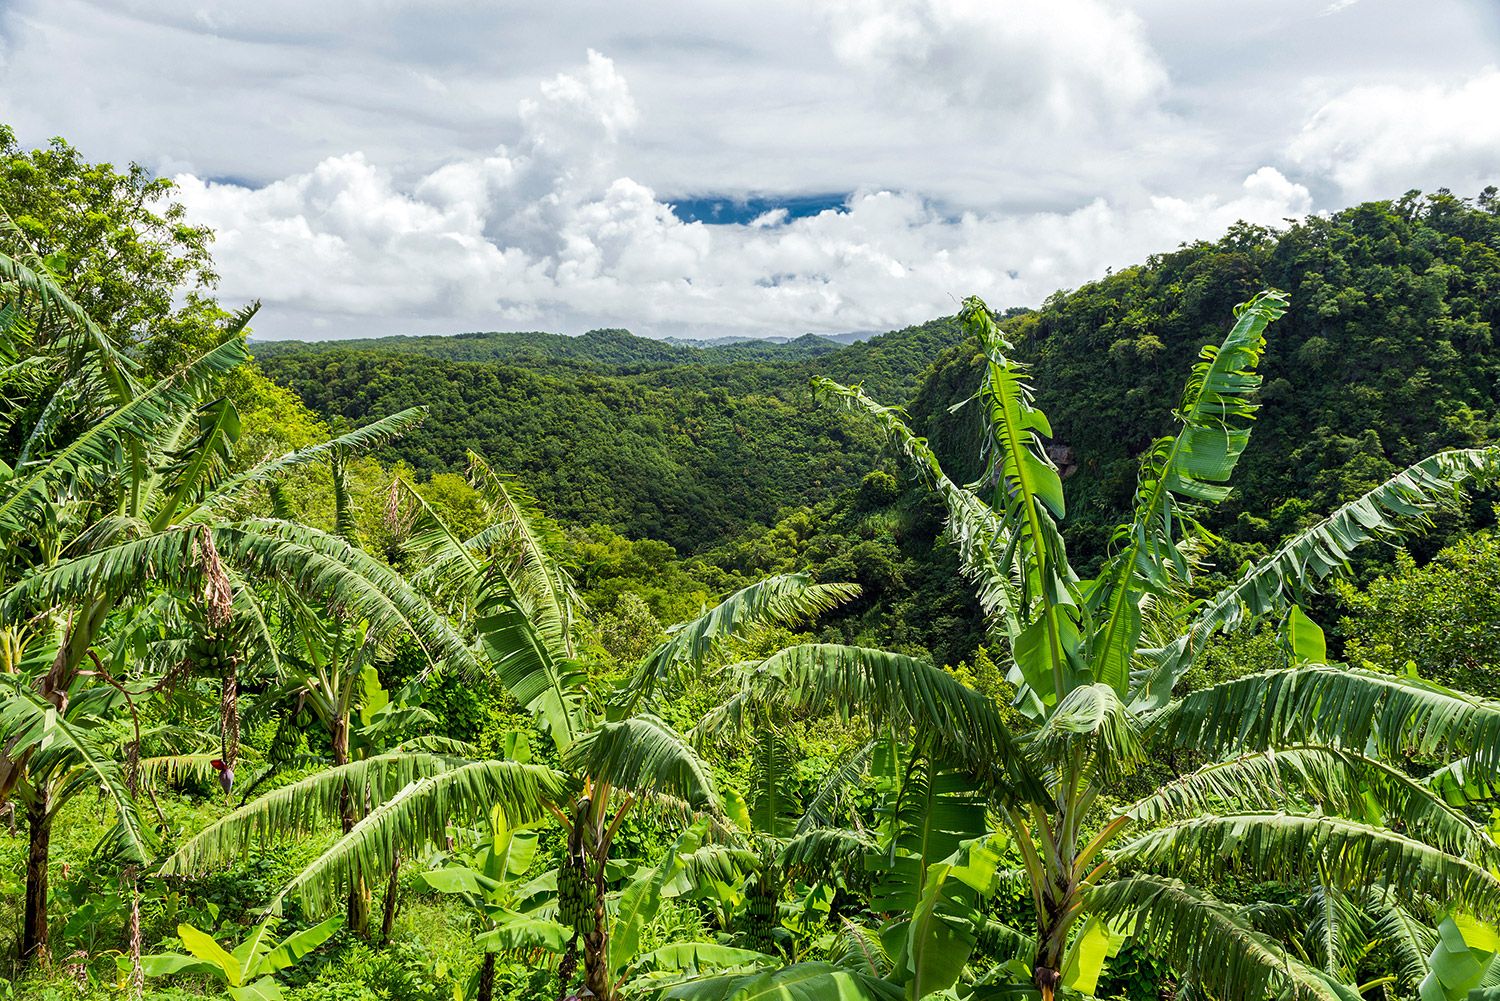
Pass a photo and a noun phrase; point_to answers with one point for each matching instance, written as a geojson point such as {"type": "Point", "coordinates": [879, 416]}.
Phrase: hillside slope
{"type": "Point", "coordinates": [598, 350]}
{"type": "Point", "coordinates": [1386, 354]}
{"type": "Point", "coordinates": [689, 453]}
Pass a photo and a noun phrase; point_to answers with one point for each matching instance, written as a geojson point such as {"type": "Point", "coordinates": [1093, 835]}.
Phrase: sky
{"type": "Point", "coordinates": [708, 169]}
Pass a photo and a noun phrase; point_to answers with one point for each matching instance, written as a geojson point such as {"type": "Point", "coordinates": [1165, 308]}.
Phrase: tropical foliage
{"type": "Point", "coordinates": [284, 716]}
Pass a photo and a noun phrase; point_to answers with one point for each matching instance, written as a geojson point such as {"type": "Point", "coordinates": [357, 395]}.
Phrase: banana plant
{"type": "Point", "coordinates": [119, 488]}
{"type": "Point", "coordinates": [610, 757]}
{"type": "Point", "coordinates": [247, 970]}
{"type": "Point", "coordinates": [784, 842]}
{"type": "Point", "coordinates": [1301, 781]}
{"type": "Point", "coordinates": [488, 879]}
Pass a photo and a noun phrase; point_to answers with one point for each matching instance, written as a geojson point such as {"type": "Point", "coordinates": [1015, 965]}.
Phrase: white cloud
{"type": "Point", "coordinates": [1000, 147]}
{"type": "Point", "coordinates": [546, 231]}
{"type": "Point", "coordinates": [1377, 141]}
{"type": "Point", "coordinates": [1065, 62]}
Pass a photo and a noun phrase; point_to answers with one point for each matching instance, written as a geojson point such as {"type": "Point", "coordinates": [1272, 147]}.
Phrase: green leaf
{"type": "Point", "coordinates": [264, 989]}
{"type": "Point", "coordinates": [294, 947]}
{"type": "Point", "coordinates": [202, 945]}
{"type": "Point", "coordinates": [736, 809]}
{"type": "Point", "coordinates": [783, 600]}
{"type": "Point", "coordinates": [168, 963]}
{"type": "Point", "coordinates": [517, 932]}
{"type": "Point", "coordinates": [1178, 477]}
{"type": "Point", "coordinates": [642, 897]}
{"type": "Point", "coordinates": [1305, 637]}
{"type": "Point", "coordinates": [458, 879]}
{"type": "Point", "coordinates": [694, 957]}
{"type": "Point", "coordinates": [801, 982]}
{"type": "Point", "coordinates": [420, 815]}
{"type": "Point", "coordinates": [645, 756]}
{"type": "Point", "coordinates": [971, 525]}
{"type": "Point", "coordinates": [1398, 507]}
{"type": "Point", "coordinates": [550, 689]}
{"type": "Point", "coordinates": [887, 689]}
{"type": "Point", "coordinates": [1204, 939]}
{"type": "Point", "coordinates": [1094, 945]}
{"type": "Point", "coordinates": [375, 698]}
{"type": "Point", "coordinates": [1384, 714]}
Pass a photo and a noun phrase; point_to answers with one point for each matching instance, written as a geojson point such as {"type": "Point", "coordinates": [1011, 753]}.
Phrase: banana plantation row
{"type": "Point", "coordinates": [142, 563]}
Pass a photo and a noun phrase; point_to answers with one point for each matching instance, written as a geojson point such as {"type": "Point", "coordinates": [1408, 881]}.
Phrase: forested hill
{"type": "Point", "coordinates": [689, 452]}
{"type": "Point", "coordinates": [1386, 354]}
{"type": "Point", "coordinates": [598, 350]}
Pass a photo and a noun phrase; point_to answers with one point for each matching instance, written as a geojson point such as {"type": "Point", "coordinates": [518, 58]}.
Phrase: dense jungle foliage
{"type": "Point", "coordinates": [682, 444]}
{"type": "Point", "coordinates": [1150, 653]}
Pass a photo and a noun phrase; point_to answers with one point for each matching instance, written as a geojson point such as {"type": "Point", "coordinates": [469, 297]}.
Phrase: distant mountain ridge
{"type": "Point", "coordinates": [685, 444]}
{"type": "Point", "coordinates": [604, 348]}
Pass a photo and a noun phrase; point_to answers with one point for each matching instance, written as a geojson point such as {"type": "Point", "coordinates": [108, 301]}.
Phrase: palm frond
{"type": "Point", "coordinates": [783, 600]}
{"type": "Point", "coordinates": [303, 807]}
{"type": "Point", "coordinates": [818, 853]}
{"type": "Point", "coordinates": [356, 442]}
{"type": "Point", "coordinates": [1409, 938]}
{"type": "Point", "coordinates": [1207, 942]}
{"type": "Point", "coordinates": [1335, 781]}
{"type": "Point", "coordinates": [1092, 722]}
{"type": "Point", "coordinates": [420, 815]}
{"type": "Point", "coordinates": [28, 273]}
{"type": "Point", "coordinates": [1179, 475]}
{"type": "Point", "coordinates": [56, 747]}
{"type": "Point", "coordinates": [960, 724]}
{"type": "Point", "coordinates": [1369, 712]}
{"type": "Point", "coordinates": [1283, 846]}
{"type": "Point", "coordinates": [93, 451]}
{"type": "Point", "coordinates": [1398, 507]}
{"type": "Point", "coordinates": [518, 537]}
{"type": "Point", "coordinates": [973, 527]}
{"type": "Point", "coordinates": [549, 688]}
{"type": "Point", "coordinates": [645, 756]}
{"type": "Point", "coordinates": [839, 782]}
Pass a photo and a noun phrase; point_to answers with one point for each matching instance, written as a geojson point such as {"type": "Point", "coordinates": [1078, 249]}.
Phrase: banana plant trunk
{"type": "Point", "coordinates": [596, 974]}
{"type": "Point", "coordinates": [358, 909]}
{"type": "Point", "coordinates": [1061, 904]}
{"type": "Point", "coordinates": [486, 978]}
{"type": "Point", "coordinates": [392, 888]}
{"type": "Point", "coordinates": [588, 841]}
{"type": "Point", "coordinates": [35, 947]}
{"type": "Point", "coordinates": [1046, 968]}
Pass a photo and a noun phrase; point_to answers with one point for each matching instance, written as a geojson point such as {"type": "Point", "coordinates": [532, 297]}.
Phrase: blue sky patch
{"type": "Point", "coordinates": [738, 211]}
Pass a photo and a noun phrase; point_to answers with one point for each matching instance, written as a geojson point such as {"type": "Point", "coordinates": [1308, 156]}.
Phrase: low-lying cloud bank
{"type": "Point", "coordinates": [545, 232]}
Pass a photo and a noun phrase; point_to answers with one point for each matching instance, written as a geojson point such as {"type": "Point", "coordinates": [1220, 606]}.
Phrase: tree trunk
{"type": "Point", "coordinates": [1046, 969]}
{"type": "Point", "coordinates": [596, 972]}
{"type": "Point", "coordinates": [487, 978]}
{"type": "Point", "coordinates": [358, 909]}
{"type": "Point", "coordinates": [137, 974]}
{"type": "Point", "coordinates": [35, 949]}
{"type": "Point", "coordinates": [388, 921]}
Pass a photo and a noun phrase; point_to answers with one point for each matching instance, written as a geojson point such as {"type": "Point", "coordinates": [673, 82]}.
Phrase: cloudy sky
{"type": "Point", "coordinates": [707, 168]}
